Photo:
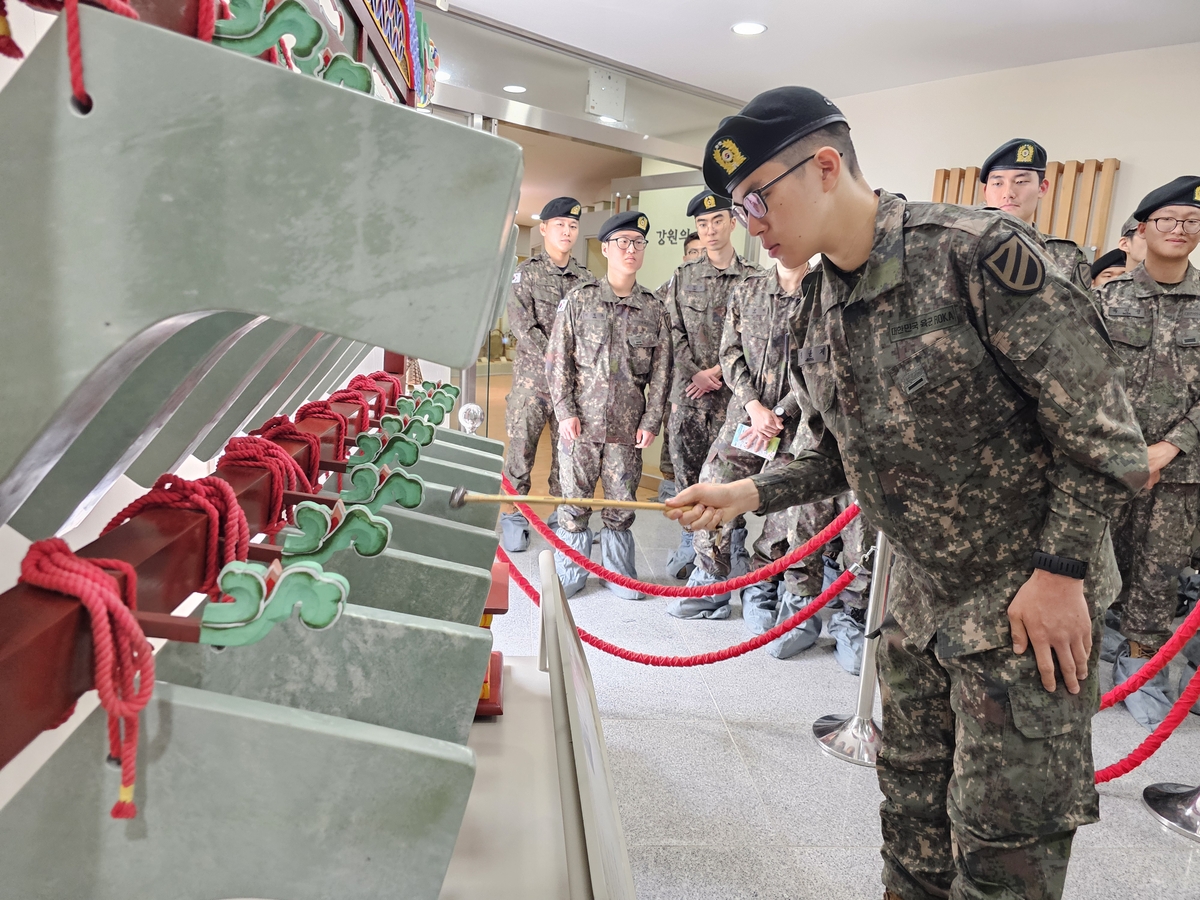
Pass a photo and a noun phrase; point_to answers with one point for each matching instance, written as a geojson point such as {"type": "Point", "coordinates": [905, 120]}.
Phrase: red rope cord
{"type": "Point", "coordinates": [124, 673]}
{"type": "Point", "coordinates": [75, 45]}
{"type": "Point", "coordinates": [206, 20]}
{"type": "Point", "coordinates": [662, 590]}
{"type": "Point", "coordinates": [281, 428]}
{"type": "Point", "coordinates": [364, 408]}
{"type": "Point", "coordinates": [1139, 679]}
{"type": "Point", "coordinates": [285, 472]}
{"type": "Point", "coordinates": [228, 534]}
{"type": "Point", "coordinates": [698, 659]}
{"type": "Point", "coordinates": [394, 380]}
{"type": "Point", "coordinates": [1150, 745]}
{"type": "Point", "coordinates": [321, 409]}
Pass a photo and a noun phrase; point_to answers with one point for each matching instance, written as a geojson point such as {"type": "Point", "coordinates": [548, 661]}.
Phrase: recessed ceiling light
{"type": "Point", "coordinates": [608, 120]}
{"type": "Point", "coordinates": [535, 216]}
{"type": "Point", "coordinates": [514, 89]}
{"type": "Point", "coordinates": [749, 28]}
{"type": "Point", "coordinates": [442, 76]}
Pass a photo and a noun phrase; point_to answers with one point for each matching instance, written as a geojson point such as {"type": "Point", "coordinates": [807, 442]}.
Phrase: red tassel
{"type": "Point", "coordinates": [123, 810]}
{"type": "Point", "coordinates": [9, 48]}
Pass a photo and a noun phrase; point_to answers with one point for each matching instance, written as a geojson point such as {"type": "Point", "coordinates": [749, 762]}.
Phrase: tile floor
{"type": "Point", "coordinates": [724, 794]}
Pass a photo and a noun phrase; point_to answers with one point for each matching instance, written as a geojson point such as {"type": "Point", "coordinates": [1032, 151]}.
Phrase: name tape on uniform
{"type": "Point", "coordinates": [938, 320]}
{"type": "Point", "coordinates": [807, 356]}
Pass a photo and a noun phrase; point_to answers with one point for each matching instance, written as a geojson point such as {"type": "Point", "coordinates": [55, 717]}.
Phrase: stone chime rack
{"type": "Point", "coordinates": [296, 761]}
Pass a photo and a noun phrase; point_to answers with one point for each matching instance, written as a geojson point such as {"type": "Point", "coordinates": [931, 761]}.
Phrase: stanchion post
{"type": "Point", "coordinates": [1176, 807]}
{"type": "Point", "coordinates": [856, 738]}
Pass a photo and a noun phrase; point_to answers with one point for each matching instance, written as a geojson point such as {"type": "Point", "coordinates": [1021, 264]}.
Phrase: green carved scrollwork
{"type": "Point", "coordinates": [368, 534]}
{"type": "Point", "coordinates": [416, 429]}
{"type": "Point", "coordinates": [364, 480]}
{"type": "Point", "coordinates": [398, 488]}
{"type": "Point", "coordinates": [319, 595]}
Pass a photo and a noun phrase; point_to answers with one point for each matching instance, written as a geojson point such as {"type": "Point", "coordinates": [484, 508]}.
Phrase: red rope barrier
{"type": "Point", "coordinates": [286, 474]}
{"type": "Point", "coordinates": [281, 428]}
{"type": "Point", "coordinates": [321, 409]}
{"type": "Point", "coordinates": [832, 530]}
{"type": "Point", "coordinates": [1165, 729]}
{"type": "Point", "coordinates": [698, 659]}
{"type": "Point", "coordinates": [1142, 676]}
{"type": "Point", "coordinates": [75, 46]}
{"type": "Point", "coordinates": [228, 534]}
{"type": "Point", "coordinates": [124, 673]}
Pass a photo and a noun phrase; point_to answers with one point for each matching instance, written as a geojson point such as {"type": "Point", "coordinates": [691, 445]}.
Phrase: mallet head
{"type": "Point", "coordinates": [458, 498]}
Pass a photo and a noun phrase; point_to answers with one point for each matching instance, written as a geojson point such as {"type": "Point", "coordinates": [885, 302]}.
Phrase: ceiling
{"type": "Point", "coordinates": [559, 167]}
{"type": "Point", "coordinates": [844, 48]}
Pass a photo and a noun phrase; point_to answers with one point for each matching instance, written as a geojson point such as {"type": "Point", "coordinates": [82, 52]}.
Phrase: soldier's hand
{"type": "Point", "coordinates": [1051, 613]}
{"type": "Point", "coordinates": [1159, 455]}
{"type": "Point", "coordinates": [764, 421]}
{"type": "Point", "coordinates": [644, 438]}
{"type": "Point", "coordinates": [712, 505]}
{"type": "Point", "coordinates": [568, 429]}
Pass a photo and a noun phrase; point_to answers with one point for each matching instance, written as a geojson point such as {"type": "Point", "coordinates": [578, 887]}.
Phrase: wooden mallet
{"type": "Point", "coordinates": [460, 496]}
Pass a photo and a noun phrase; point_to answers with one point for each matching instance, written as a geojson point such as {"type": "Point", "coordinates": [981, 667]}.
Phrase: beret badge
{"type": "Point", "coordinates": [1025, 153]}
{"type": "Point", "coordinates": [710, 202]}
{"type": "Point", "coordinates": [728, 156]}
{"type": "Point", "coordinates": [643, 223]}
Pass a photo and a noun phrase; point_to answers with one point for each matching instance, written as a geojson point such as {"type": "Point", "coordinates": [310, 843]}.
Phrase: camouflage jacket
{"type": "Point", "coordinates": [538, 287]}
{"type": "Point", "coordinates": [609, 362]}
{"type": "Point", "coordinates": [1156, 330]}
{"type": "Point", "coordinates": [1070, 260]}
{"type": "Point", "coordinates": [974, 411]}
{"type": "Point", "coordinates": [697, 297]}
{"type": "Point", "coordinates": [755, 348]}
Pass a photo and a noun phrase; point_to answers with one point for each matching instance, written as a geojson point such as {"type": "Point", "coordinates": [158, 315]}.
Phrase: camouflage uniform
{"type": "Point", "coordinates": [538, 287]}
{"type": "Point", "coordinates": [1156, 331]}
{"type": "Point", "coordinates": [664, 455]}
{"type": "Point", "coordinates": [697, 296]}
{"type": "Point", "coordinates": [978, 417]}
{"type": "Point", "coordinates": [608, 364]}
{"type": "Point", "coordinates": [755, 346]}
{"type": "Point", "coordinates": [1070, 260]}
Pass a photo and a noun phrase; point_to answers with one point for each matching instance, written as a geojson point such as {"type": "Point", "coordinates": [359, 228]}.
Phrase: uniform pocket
{"type": "Point", "coordinates": [1038, 713]}
{"type": "Point", "coordinates": [641, 352]}
{"type": "Point", "coordinates": [1130, 332]}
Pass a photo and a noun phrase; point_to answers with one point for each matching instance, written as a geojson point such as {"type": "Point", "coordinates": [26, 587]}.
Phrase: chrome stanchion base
{"type": "Point", "coordinates": [851, 738]}
{"type": "Point", "coordinates": [1176, 806]}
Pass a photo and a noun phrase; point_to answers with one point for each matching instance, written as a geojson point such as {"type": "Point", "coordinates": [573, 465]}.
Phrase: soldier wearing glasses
{"type": "Point", "coordinates": [697, 297]}
{"type": "Point", "coordinates": [982, 422]}
{"type": "Point", "coordinates": [1153, 317]}
{"type": "Point", "coordinates": [608, 365]}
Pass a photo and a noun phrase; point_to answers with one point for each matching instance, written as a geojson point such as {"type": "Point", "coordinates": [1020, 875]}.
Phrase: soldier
{"type": "Point", "coordinates": [982, 423]}
{"type": "Point", "coordinates": [538, 287]}
{"type": "Point", "coordinates": [609, 368]}
{"type": "Point", "coordinates": [1108, 267]}
{"type": "Point", "coordinates": [697, 296]}
{"type": "Point", "coordinates": [1153, 318]}
{"type": "Point", "coordinates": [692, 250]}
{"type": "Point", "coordinates": [1133, 243]}
{"type": "Point", "coordinates": [761, 419]}
{"type": "Point", "coordinates": [1014, 180]}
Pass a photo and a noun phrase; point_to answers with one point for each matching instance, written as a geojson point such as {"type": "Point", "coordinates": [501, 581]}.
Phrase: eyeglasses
{"type": "Point", "coordinates": [1167, 224]}
{"type": "Point", "coordinates": [754, 204]}
{"type": "Point", "coordinates": [624, 243]}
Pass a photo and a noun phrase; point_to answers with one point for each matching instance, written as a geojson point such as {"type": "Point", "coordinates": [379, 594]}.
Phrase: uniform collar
{"type": "Point", "coordinates": [573, 267]}
{"type": "Point", "coordinates": [636, 299]}
{"type": "Point", "coordinates": [778, 290]}
{"type": "Point", "coordinates": [707, 270]}
{"type": "Point", "coordinates": [885, 266]}
{"type": "Point", "coordinates": [1146, 286]}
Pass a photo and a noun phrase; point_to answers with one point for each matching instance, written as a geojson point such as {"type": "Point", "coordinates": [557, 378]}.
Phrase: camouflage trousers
{"type": "Point", "coordinates": [727, 463]}
{"type": "Point", "coordinates": [618, 467]}
{"type": "Point", "coordinates": [664, 457]}
{"type": "Point", "coordinates": [985, 775]}
{"type": "Point", "coordinates": [526, 415]}
{"type": "Point", "coordinates": [805, 578]}
{"type": "Point", "coordinates": [1152, 538]}
{"type": "Point", "coordinates": [691, 432]}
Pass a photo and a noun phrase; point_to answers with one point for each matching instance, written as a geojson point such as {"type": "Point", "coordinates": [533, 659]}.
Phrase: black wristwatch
{"type": "Point", "coordinates": [779, 411]}
{"type": "Point", "coordinates": [1060, 565]}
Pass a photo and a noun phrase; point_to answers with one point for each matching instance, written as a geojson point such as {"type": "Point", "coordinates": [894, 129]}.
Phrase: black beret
{"type": "Point", "coordinates": [766, 125]}
{"type": "Point", "coordinates": [561, 207]}
{"type": "Point", "coordinates": [626, 221]}
{"type": "Point", "coordinates": [1183, 191]}
{"type": "Point", "coordinates": [1108, 260]}
{"type": "Point", "coordinates": [707, 202]}
{"type": "Point", "coordinates": [1019, 153]}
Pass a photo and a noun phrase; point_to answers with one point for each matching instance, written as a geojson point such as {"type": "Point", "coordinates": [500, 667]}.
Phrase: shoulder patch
{"type": "Point", "coordinates": [517, 277]}
{"type": "Point", "coordinates": [1017, 266]}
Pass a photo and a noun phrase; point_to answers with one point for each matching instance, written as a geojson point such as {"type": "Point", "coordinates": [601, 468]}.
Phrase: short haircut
{"type": "Point", "coordinates": [692, 236]}
{"type": "Point", "coordinates": [835, 135]}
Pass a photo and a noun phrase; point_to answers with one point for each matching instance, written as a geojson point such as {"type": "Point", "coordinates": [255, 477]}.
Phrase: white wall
{"type": "Point", "coordinates": [28, 27]}
{"type": "Point", "coordinates": [1140, 107]}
